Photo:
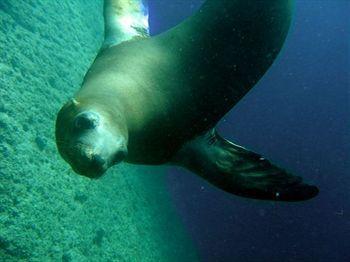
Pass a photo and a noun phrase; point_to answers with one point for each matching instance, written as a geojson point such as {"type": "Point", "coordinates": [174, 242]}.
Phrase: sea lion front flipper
{"type": "Point", "coordinates": [124, 20]}
{"type": "Point", "coordinates": [239, 171]}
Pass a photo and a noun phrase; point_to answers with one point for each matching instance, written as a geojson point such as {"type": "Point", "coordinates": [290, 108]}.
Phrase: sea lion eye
{"type": "Point", "coordinates": [86, 120]}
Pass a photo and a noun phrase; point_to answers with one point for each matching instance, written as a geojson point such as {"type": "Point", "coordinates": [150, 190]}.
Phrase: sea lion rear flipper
{"type": "Point", "coordinates": [124, 20]}
{"type": "Point", "coordinates": [239, 171]}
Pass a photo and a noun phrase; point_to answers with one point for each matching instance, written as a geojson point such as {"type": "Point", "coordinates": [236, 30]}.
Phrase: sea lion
{"type": "Point", "coordinates": [156, 100]}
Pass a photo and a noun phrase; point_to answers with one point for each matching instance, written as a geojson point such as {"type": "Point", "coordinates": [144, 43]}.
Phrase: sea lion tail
{"type": "Point", "coordinates": [239, 171]}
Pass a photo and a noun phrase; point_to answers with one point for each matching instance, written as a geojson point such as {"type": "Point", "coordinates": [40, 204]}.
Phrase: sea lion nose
{"type": "Point", "coordinates": [86, 120]}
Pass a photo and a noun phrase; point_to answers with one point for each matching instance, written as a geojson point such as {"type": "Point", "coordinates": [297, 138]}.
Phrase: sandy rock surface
{"type": "Point", "coordinates": [48, 213]}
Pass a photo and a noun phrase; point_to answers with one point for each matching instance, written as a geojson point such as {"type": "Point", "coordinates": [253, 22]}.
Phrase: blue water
{"type": "Point", "coordinates": [297, 116]}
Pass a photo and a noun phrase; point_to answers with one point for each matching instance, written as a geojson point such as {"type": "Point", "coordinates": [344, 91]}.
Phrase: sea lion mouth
{"type": "Point", "coordinates": [93, 174]}
{"type": "Point", "coordinates": [92, 164]}
{"type": "Point", "coordinates": [120, 156]}
{"type": "Point", "coordinates": [87, 162]}
{"type": "Point", "coordinates": [94, 167]}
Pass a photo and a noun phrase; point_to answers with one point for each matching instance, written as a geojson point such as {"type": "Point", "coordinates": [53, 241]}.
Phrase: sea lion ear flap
{"type": "Point", "coordinates": [74, 102]}
{"type": "Point", "coordinates": [71, 103]}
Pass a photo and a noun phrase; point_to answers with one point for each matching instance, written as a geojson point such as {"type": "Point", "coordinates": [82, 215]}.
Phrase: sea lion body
{"type": "Point", "coordinates": [156, 100]}
{"type": "Point", "coordinates": [156, 128]}
{"type": "Point", "coordinates": [176, 91]}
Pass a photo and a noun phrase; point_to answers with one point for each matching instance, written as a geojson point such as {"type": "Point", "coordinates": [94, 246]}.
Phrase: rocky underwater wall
{"type": "Point", "coordinates": [48, 213]}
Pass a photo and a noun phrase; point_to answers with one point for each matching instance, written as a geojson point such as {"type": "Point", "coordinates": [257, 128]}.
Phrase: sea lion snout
{"type": "Point", "coordinates": [96, 165]}
{"type": "Point", "coordinates": [93, 163]}
{"type": "Point", "coordinates": [91, 166]}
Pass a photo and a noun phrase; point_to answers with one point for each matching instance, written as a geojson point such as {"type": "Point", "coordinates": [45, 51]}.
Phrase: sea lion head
{"type": "Point", "coordinates": [89, 138]}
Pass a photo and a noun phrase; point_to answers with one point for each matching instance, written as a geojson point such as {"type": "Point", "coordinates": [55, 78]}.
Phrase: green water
{"type": "Point", "coordinates": [48, 213]}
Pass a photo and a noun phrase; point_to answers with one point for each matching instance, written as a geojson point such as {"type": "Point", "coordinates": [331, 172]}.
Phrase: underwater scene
{"type": "Point", "coordinates": [175, 130]}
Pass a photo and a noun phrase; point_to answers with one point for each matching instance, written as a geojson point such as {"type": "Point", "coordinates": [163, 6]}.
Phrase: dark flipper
{"type": "Point", "coordinates": [240, 171]}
